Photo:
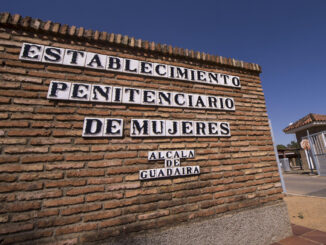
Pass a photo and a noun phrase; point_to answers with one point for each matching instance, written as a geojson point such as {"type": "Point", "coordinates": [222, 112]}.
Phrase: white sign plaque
{"type": "Point", "coordinates": [172, 165]}
{"type": "Point", "coordinates": [60, 90]}
{"type": "Point", "coordinates": [61, 56]}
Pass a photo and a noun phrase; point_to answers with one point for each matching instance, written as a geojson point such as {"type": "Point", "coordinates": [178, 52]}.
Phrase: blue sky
{"type": "Point", "coordinates": [287, 38]}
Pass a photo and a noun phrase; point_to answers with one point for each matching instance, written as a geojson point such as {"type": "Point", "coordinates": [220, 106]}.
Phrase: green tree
{"type": "Point", "coordinates": [281, 147]}
{"type": "Point", "coordinates": [293, 144]}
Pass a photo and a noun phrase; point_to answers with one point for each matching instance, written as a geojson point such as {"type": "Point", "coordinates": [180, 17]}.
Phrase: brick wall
{"type": "Point", "coordinates": [58, 186]}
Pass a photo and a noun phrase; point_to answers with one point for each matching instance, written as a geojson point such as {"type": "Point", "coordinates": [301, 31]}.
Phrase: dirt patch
{"type": "Point", "coordinates": [307, 211]}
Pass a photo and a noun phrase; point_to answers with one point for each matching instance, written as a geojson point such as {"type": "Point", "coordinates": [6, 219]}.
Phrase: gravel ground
{"type": "Point", "coordinates": [307, 211]}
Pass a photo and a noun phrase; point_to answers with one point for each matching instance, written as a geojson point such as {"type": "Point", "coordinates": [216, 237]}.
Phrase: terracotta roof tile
{"type": "Point", "coordinates": [310, 118]}
{"type": "Point", "coordinates": [36, 25]}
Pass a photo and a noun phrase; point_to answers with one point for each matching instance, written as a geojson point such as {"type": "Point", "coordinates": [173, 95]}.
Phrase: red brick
{"type": "Point", "coordinates": [85, 173]}
{"type": "Point", "coordinates": [142, 147]}
{"type": "Point", "coordinates": [76, 228]}
{"type": "Point", "coordinates": [5, 35]}
{"type": "Point", "coordinates": [11, 141]}
{"type": "Point", "coordinates": [63, 201]}
{"type": "Point", "coordinates": [205, 213]}
{"type": "Point", "coordinates": [41, 158]}
{"type": "Point", "coordinates": [7, 177]}
{"type": "Point", "coordinates": [211, 203]}
{"type": "Point", "coordinates": [24, 149]}
{"type": "Point", "coordinates": [184, 208]}
{"type": "Point", "coordinates": [71, 241]}
{"type": "Point", "coordinates": [88, 157]}
{"type": "Point", "coordinates": [92, 73]}
{"type": "Point", "coordinates": [221, 209]}
{"type": "Point", "coordinates": [65, 148]}
{"type": "Point", "coordinates": [131, 185]}
{"type": "Point", "coordinates": [170, 220]}
{"type": "Point", "coordinates": [33, 87]}
{"type": "Point", "coordinates": [135, 160]}
{"type": "Point", "coordinates": [123, 170]}
{"type": "Point", "coordinates": [43, 175]}
{"type": "Point", "coordinates": [107, 147]}
{"type": "Point", "coordinates": [63, 69]}
{"type": "Point", "coordinates": [22, 78]}
{"type": "Point", "coordinates": [31, 116]}
{"type": "Point", "coordinates": [70, 117]}
{"type": "Point", "coordinates": [21, 101]}
{"type": "Point", "coordinates": [155, 198]}
{"type": "Point", "coordinates": [64, 166]}
{"type": "Point", "coordinates": [6, 69]}
{"type": "Point", "coordinates": [22, 64]}
{"type": "Point", "coordinates": [47, 213]}
{"type": "Point", "coordinates": [20, 186]}
{"type": "Point", "coordinates": [9, 85]}
{"type": "Point", "coordinates": [11, 108]}
{"type": "Point", "coordinates": [47, 141]}
{"type": "Point", "coordinates": [132, 193]}
{"type": "Point", "coordinates": [82, 78]}
{"type": "Point", "coordinates": [66, 133]}
{"type": "Point", "coordinates": [42, 124]}
{"type": "Point", "coordinates": [141, 208]}
{"type": "Point", "coordinates": [189, 186]}
{"type": "Point", "coordinates": [21, 217]}
{"type": "Point", "coordinates": [112, 204]}
{"type": "Point", "coordinates": [84, 190]}
{"type": "Point", "coordinates": [8, 159]}
{"type": "Point", "coordinates": [4, 218]}
{"type": "Point", "coordinates": [166, 182]}
{"type": "Point", "coordinates": [22, 94]}
{"type": "Point", "coordinates": [202, 197]}
{"type": "Point", "coordinates": [120, 155]}
{"type": "Point", "coordinates": [91, 141]}
{"type": "Point", "coordinates": [19, 238]}
{"type": "Point", "coordinates": [132, 78]}
{"type": "Point", "coordinates": [21, 206]}
{"type": "Point", "coordinates": [46, 74]}
{"type": "Point", "coordinates": [103, 196]}
{"type": "Point", "coordinates": [186, 193]}
{"type": "Point", "coordinates": [211, 176]}
{"type": "Point", "coordinates": [6, 229]}
{"type": "Point", "coordinates": [103, 215]}
{"type": "Point", "coordinates": [38, 195]}
{"type": "Point", "coordinates": [64, 183]}
{"type": "Point", "coordinates": [56, 110]}
{"type": "Point", "coordinates": [30, 132]}
{"type": "Point", "coordinates": [4, 115]}
{"type": "Point", "coordinates": [117, 221]}
{"type": "Point", "coordinates": [58, 221]}
{"type": "Point", "coordinates": [21, 168]}
{"type": "Point", "coordinates": [93, 112]}
{"type": "Point", "coordinates": [132, 177]}
{"type": "Point", "coordinates": [81, 209]}
{"type": "Point", "coordinates": [13, 124]}
{"type": "Point", "coordinates": [153, 215]}
{"type": "Point", "coordinates": [7, 197]}
{"type": "Point", "coordinates": [105, 163]}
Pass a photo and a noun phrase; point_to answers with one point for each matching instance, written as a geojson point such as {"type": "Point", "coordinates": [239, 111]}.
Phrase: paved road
{"type": "Point", "coordinates": [305, 185]}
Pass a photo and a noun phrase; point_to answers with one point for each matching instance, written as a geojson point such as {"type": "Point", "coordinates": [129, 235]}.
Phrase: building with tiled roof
{"type": "Point", "coordinates": [315, 125]}
{"type": "Point", "coordinates": [309, 121]}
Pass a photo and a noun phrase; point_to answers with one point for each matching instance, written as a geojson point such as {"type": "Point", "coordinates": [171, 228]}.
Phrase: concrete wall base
{"type": "Point", "coordinates": [263, 225]}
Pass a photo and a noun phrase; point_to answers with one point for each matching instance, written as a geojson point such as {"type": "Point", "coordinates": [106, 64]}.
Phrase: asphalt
{"type": "Point", "coordinates": [308, 185]}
